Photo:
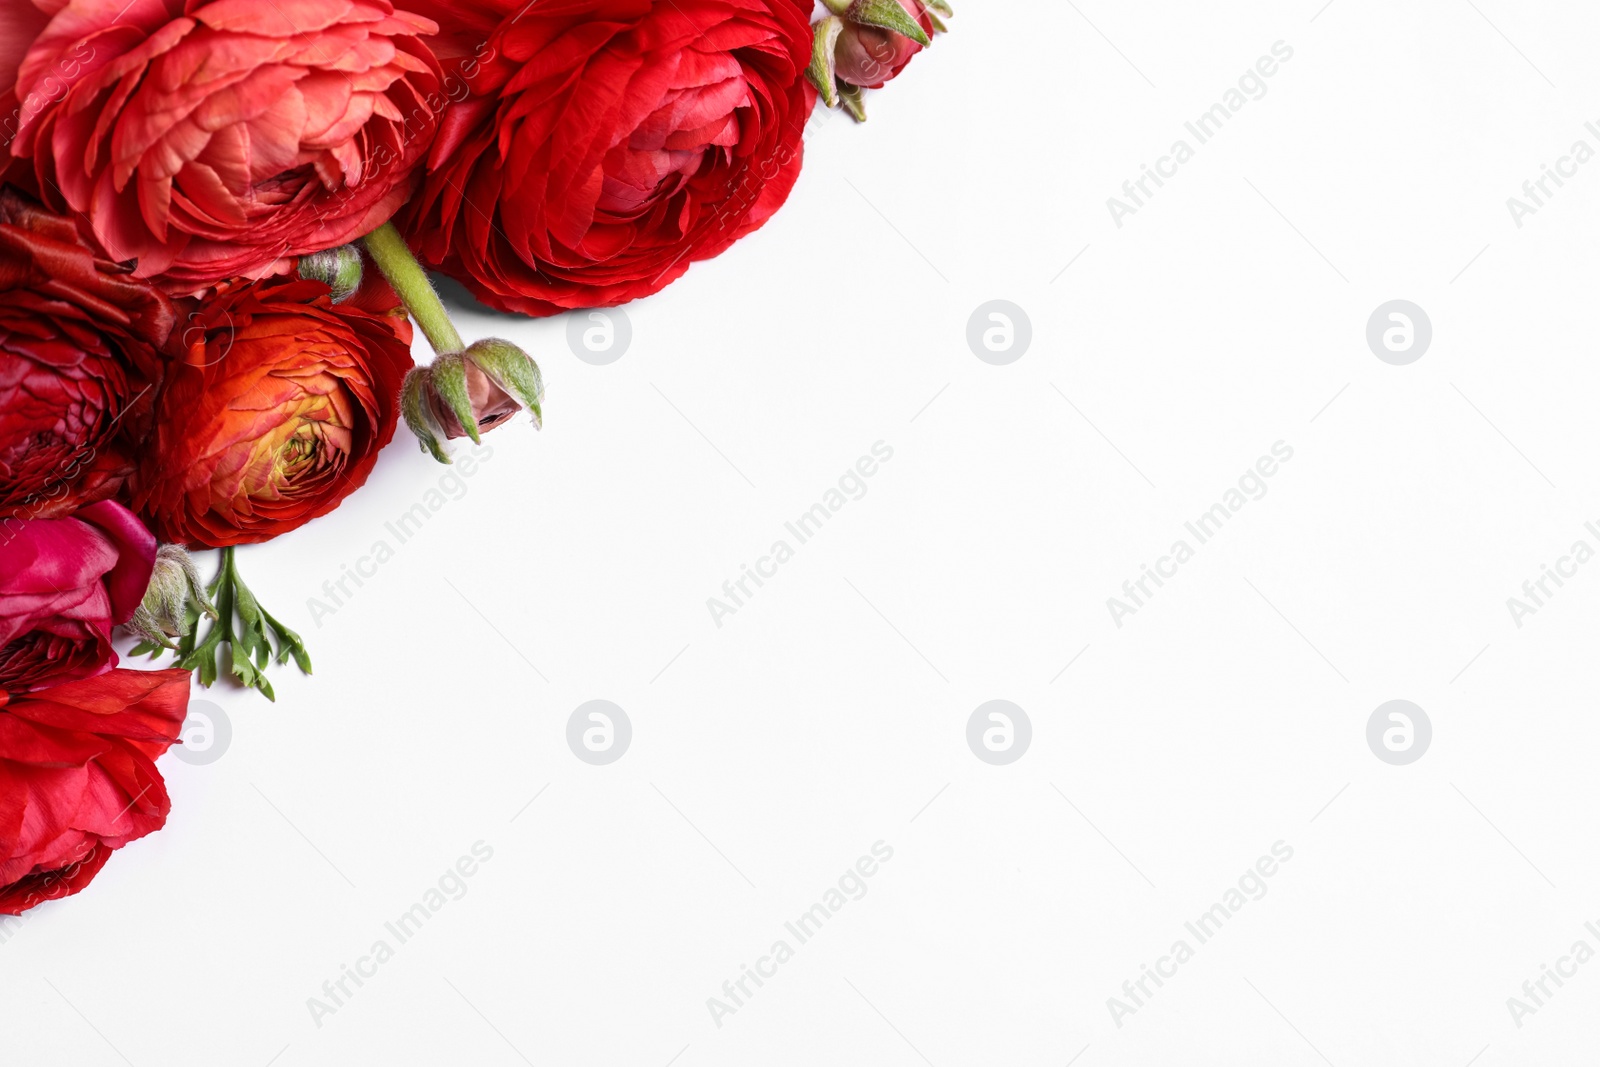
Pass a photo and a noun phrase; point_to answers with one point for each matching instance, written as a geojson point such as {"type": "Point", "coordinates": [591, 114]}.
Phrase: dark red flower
{"type": "Point", "coordinates": [79, 363]}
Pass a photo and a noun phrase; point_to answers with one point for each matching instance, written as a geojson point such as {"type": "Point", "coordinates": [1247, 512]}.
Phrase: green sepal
{"type": "Point", "coordinates": [822, 68]}
{"type": "Point", "coordinates": [450, 382]}
{"type": "Point", "coordinates": [850, 97]}
{"type": "Point", "coordinates": [889, 15]}
{"type": "Point", "coordinates": [414, 408]}
{"type": "Point", "coordinates": [152, 639]}
{"type": "Point", "coordinates": [513, 370]}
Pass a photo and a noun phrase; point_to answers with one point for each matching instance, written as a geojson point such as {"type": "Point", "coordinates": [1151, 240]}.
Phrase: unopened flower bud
{"type": "Point", "coordinates": [174, 586]}
{"type": "Point", "coordinates": [513, 374]}
{"type": "Point", "coordinates": [868, 56]}
{"type": "Point", "coordinates": [337, 268]}
{"type": "Point", "coordinates": [901, 16]}
{"type": "Point", "coordinates": [865, 43]}
{"type": "Point", "coordinates": [467, 394]}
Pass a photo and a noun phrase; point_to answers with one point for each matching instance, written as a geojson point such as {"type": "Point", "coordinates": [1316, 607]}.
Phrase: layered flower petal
{"type": "Point", "coordinates": [64, 583]}
{"type": "Point", "coordinates": [206, 141]}
{"type": "Point", "coordinates": [276, 414]}
{"type": "Point", "coordinates": [599, 147]}
{"type": "Point", "coordinates": [80, 359]}
{"type": "Point", "coordinates": [78, 778]}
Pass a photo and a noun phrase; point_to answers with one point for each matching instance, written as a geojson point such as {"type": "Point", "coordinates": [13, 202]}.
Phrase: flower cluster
{"type": "Point", "coordinates": [216, 222]}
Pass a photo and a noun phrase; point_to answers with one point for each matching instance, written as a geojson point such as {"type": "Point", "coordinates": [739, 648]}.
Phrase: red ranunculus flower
{"type": "Point", "coordinates": [276, 415]}
{"type": "Point", "coordinates": [604, 145]}
{"type": "Point", "coordinates": [64, 583]}
{"type": "Point", "coordinates": [209, 139]}
{"type": "Point", "coordinates": [78, 778]}
{"type": "Point", "coordinates": [79, 340]}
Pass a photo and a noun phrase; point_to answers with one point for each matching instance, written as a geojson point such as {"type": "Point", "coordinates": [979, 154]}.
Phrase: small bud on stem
{"type": "Point", "coordinates": [865, 43]}
{"type": "Point", "coordinates": [467, 394]}
{"type": "Point", "coordinates": [466, 391]}
{"type": "Point", "coordinates": [175, 586]}
{"type": "Point", "coordinates": [337, 268]}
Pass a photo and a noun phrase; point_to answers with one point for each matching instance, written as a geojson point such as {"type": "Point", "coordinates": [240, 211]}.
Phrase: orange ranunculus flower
{"type": "Point", "coordinates": [275, 414]}
{"type": "Point", "coordinates": [213, 139]}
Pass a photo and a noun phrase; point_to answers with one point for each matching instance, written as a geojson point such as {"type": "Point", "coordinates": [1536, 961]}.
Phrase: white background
{"type": "Point", "coordinates": [830, 712]}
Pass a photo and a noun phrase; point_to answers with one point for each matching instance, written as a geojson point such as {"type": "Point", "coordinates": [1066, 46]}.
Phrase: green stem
{"type": "Point", "coordinates": [388, 250]}
{"type": "Point", "coordinates": [225, 596]}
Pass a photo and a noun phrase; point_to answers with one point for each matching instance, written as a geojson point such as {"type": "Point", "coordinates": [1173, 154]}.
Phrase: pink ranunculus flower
{"type": "Point", "coordinates": [64, 583]}
{"type": "Point", "coordinates": [212, 139]}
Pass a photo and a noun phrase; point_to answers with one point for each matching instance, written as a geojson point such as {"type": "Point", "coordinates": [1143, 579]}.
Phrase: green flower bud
{"type": "Point", "coordinates": [337, 268]}
{"type": "Point", "coordinates": [175, 587]}
{"type": "Point", "coordinates": [514, 375]}
{"type": "Point", "coordinates": [467, 394]}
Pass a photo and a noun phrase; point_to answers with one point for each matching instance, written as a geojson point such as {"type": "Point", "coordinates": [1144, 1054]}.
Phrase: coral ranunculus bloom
{"type": "Point", "coordinates": [213, 139]}
{"type": "Point", "coordinates": [602, 146]}
{"type": "Point", "coordinates": [276, 414]}
{"type": "Point", "coordinates": [78, 778]}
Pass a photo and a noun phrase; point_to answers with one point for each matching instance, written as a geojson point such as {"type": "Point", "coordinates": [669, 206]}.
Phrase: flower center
{"type": "Point", "coordinates": [690, 122]}
{"type": "Point", "coordinates": [22, 656]}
